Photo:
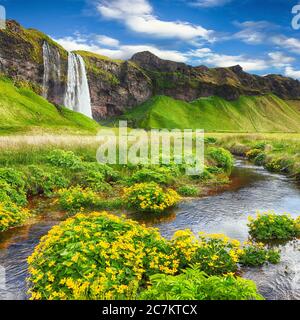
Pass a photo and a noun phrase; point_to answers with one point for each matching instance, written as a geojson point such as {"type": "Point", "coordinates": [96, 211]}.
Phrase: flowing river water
{"type": "Point", "coordinates": [226, 212]}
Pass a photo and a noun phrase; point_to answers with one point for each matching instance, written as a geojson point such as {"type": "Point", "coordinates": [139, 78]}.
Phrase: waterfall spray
{"type": "Point", "coordinates": [77, 97]}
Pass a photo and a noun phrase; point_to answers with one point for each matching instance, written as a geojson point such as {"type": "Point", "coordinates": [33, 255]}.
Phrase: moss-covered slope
{"type": "Point", "coordinates": [23, 111]}
{"type": "Point", "coordinates": [266, 113]}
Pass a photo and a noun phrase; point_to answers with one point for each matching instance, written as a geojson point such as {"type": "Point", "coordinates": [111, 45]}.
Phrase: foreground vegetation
{"type": "Point", "coordinates": [102, 256]}
{"type": "Point", "coordinates": [74, 181]}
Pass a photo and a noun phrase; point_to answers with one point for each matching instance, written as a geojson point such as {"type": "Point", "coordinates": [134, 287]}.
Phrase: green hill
{"type": "Point", "coordinates": [266, 113]}
{"type": "Point", "coordinates": [23, 111]}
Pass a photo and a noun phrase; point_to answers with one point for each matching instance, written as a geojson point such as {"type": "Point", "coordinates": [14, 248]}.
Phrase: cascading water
{"type": "Point", "coordinates": [77, 97]}
{"type": "Point", "coordinates": [52, 71]}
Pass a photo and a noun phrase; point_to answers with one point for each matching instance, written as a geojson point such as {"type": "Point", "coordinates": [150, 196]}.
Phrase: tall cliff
{"type": "Point", "coordinates": [116, 85]}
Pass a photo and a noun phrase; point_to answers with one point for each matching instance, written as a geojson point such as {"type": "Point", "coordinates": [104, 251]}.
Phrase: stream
{"type": "Point", "coordinates": [252, 189]}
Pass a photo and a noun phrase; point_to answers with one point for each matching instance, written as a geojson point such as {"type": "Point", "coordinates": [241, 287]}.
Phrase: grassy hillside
{"type": "Point", "coordinates": [23, 111]}
{"type": "Point", "coordinates": [248, 114]}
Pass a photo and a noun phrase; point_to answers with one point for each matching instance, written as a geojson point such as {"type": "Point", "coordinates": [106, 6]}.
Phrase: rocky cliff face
{"type": "Point", "coordinates": [188, 83]}
{"type": "Point", "coordinates": [116, 85]}
{"type": "Point", "coordinates": [21, 58]}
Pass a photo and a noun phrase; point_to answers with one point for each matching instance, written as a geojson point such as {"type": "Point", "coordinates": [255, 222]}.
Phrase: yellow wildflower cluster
{"type": "Point", "coordinates": [150, 197]}
{"type": "Point", "coordinates": [213, 253]}
{"type": "Point", "coordinates": [12, 215]}
{"type": "Point", "coordinates": [103, 256]}
{"type": "Point", "coordinates": [98, 256]}
{"type": "Point", "coordinates": [76, 198]}
{"type": "Point", "coordinates": [271, 226]}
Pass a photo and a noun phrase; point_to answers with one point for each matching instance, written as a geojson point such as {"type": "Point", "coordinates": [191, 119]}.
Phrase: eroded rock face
{"type": "Point", "coordinates": [116, 85]}
{"type": "Point", "coordinates": [21, 58]}
{"type": "Point", "coordinates": [188, 83]}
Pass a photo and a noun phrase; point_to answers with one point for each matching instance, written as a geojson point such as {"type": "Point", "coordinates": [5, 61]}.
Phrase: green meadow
{"type": "Point", "coordinates": [247, 114]}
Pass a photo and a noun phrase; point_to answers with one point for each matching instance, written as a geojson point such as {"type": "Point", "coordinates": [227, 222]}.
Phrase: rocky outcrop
{"type": "Point", "coordinates": [116, 85]}
{"type": "Point", "coordinates": [188, 83]}
{"type": "Point", "coordinates": [21, 58]}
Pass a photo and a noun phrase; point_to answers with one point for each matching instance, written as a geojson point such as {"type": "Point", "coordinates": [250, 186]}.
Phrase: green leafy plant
{"type": "Point", "coordinates": [253, 153]}
{"type": "Point", "coordinates": [76, 198]}
{"type": "Point", "coordinates": [41, 182]}
{"type": "Point", "coordinates": [12, 215]}
{"type": "Point", "coordinates": [97, 256]}
{"type": "Point", "coordinates": [12, 186]}
{"type": "Point", "coordinates": [193, 284]}
{"type": "Point", "coordinates": [255, 254]}
{"type": "Point", "coordinates": [270, 226]}
{"type": "Point", "coordinates": [212, 253]}
{"type": "Point", "coordinates": [13, 177]}
{"type": "Point", "coordinates": [64, 159]}
{"type": "Point", "coordinates": [8, 193]}
{"type": "Point", "coordinates": [160, 175]}
{"type": "Point", "coordinates": [188, 191]}
{"type": "Point", "coordinates": [222, 158]}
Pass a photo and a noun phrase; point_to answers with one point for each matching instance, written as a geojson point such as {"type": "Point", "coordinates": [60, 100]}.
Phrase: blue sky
{"type": "Point", "coordinates": [256, 34]}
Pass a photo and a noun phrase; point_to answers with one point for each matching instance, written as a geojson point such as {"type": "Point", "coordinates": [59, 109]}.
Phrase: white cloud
{"type": "Point", "coordinates": [280, 60]}
{"type": "Point", "coordinates": [107, 41]}
{"type": "Point", "coordinates": [139, 17]}
{"type": "Point", "coordinates": [210, 3]}
{"type": "Point", "coordinates": [253, 32]}
{"type": "Point", "coordinates": [221, 60]}
{"type": "Point", "coordinates": [291, 72]}
{"type": "Point", "coordinates": [79, 42]}
{"type": "Point", "coordinates": [291, 44]}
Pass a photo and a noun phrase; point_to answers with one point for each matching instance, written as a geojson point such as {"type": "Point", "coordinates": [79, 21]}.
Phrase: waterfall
{"type": "Point", "coordinates": [52, 71]}
{"type": "Point", "coordinates": [77, 97]}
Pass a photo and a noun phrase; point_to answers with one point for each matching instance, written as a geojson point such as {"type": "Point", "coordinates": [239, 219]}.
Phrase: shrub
{"type": "Point", "coordinates": [8, 193]}
{"type": "Point", "coordinates": [196, 285]}
{"type": "Point", "coordinates": [216, 254]}
{"type": "Point", "coordinates": [274, 165]}
{"type": "Point", "coordinates": [76, 198]}
{"type": "Point", "coordinates": [108, 173]}
{"type": "Point", "coordinates": [13, 177]}
{"type": "Point", "coordinates": [188, 191]}
{"type": "Point", "coordinates": [204, 176]}
{"type": "Point", "coordinates": [260, 145]}
{"type": "Point", "coordinates": [255, 254]}
{"type": "Point", "coordinates": [42, 182]}
{"type": "Point", "coordinates": [12, 215]}
{"type": "Point", "coordinates": [12, 186]}
{"type": "Point", "coordinates": [210, 140]}
{"type": "Point", "coordinates": [98, 256]}
{"type": "Point", "coordinates": [160, 175]}
{"type": "Point", "coordinates": [222, 158]}
{"type": "Point", "coordinates": [269, 226]}
{"type": "Point", "coordinates": [150, 197]}
{"type": "Point", "coordinates": [215, 170]}
{"type": "Point", "coordinates": [279, 165]}
{"type": "Point", "coordinates": [213, 254]}
{"type": "Point", "coordinates": [102, 256]}
{"type": "Point", "coordinates": [253, 153]}
{"type": "Point", "coordinates": [64, 159]}
{"type": "Point", "coordinates": [260, 159]}
{"type": "Point", "coordinates": [95, 176]}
